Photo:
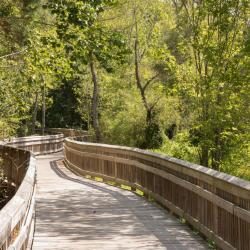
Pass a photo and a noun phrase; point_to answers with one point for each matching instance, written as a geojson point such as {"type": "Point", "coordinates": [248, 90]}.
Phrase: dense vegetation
{"type": "Point", "coordinates": [7, 189]}
{"type": "Point", "coordinates": [166, 75]}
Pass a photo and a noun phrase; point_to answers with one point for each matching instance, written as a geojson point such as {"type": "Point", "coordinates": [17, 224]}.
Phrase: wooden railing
{"type": "Point", "coordinates": [16, 217]}
{"type": "Point", "coordinates": [216, 204]}
{"type": "Point", "coordinates": [66, 132]}
{"type": "Point", "coordinates": [39, 144]}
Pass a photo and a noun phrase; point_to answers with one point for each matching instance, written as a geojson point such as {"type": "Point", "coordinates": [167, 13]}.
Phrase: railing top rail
{"type": "Point", "coordinates": [34, 138]}
{"type": "Point", "coordinates": [68, 129]}
{"type": "Point", "coordinates": [215, 203]}
{"type": "Point", "coordinates": [238, 182]}
{"type": "Point", "coordinates": [19, 164]}
{"type": "Point", "coordinates": [16, 209]}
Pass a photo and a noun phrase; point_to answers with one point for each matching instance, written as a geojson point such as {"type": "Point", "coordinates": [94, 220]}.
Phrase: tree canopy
{"type": "Point", "coordinates": [166, 75]}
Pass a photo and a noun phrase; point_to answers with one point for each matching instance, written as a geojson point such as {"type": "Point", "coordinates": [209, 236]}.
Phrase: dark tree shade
{"type": "Point", "coordinates": [63, 112]}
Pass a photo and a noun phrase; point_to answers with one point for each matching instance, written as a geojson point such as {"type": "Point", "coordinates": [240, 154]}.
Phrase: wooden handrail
{"type": "Point", "coordinates": [67, 132]}
{"type": "Point", "coordinates": [16, 217]}
{"type": "Point", "coordinates": [39, 144]}
{"type": "Point", "coordinates": [215, 203]}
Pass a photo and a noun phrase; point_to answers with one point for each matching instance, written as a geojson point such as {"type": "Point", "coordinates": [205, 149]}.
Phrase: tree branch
{"type": "Point", "coordinates": [14, 53]}
{"type": "Point", "coordinates": [149, 36]}
{"type": "Point", "coordinates": [149, 81]}
{"type": "Point", "coordinates": [152, 106]}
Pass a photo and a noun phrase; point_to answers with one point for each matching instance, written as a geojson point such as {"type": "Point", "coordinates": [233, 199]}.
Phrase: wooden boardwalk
{"type": "Point", "coordinates": [76, 213]}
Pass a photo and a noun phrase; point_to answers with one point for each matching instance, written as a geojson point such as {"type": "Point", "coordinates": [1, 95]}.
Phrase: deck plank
{"type": "Point", "coordinates": [77, 213]}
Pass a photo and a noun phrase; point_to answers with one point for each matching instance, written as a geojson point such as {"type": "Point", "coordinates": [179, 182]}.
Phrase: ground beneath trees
{"type": "Point", "coordinates": [7, 190]}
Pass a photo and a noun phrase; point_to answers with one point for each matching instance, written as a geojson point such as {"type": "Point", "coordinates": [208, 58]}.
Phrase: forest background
{"type": "Point", "coordinates": [170, 76]}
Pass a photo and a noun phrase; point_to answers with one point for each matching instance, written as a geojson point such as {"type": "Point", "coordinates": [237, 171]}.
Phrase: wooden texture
{"type": "Point", "coordinates": [77, 213]}
{"type": "Point", "coordinates": [68, 132]}
{"type": "Point", "coordinates": [16, 217]}
{"type": "Point", "coordinates": [39, 145]}
{"type": "Point", "coordinates": [73, 212]}
{"type": "Point", "coordinates": [216, 204]}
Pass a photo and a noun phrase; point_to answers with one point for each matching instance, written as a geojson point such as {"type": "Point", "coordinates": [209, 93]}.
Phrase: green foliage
{"type": "Point", "coordinates": [62, 113]}
{"type": "Point", "coordinates": [6, 190]}
{"type": "Point", "coordinates": [123, 119]}
{"type": "Point", "coordinates": [215, 34]}
{"type": "Point", "coordinates": [180, 148]}
{"type": "Point", "coordinates": [83, 35]}
{"type": "Point", "coordinates": [170, 76]}
{"type": "Point", "coordinates": [238, 163]}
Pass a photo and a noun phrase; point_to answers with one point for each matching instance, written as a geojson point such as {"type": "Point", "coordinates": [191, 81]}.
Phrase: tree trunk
{"type": "Point", "coordinates": [152, 133]}
{"type": "Point", "coordinates": [43, 106]}
{"type": "Point", "coordinates": [34, 114]}
{"type": "Point", "coordinates": [139, 83]}
{"type": "Point", "coordinates": [216, 159]}
{"type": "Point", "coordinates": [217, 154]}
{"type": "Point", "coordinates": [204, 156]}
{"type": "Point", "coordinates": [95, 102]}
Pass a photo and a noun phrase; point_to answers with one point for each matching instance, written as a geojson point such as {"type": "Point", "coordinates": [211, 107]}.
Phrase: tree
{"type": "Point", "coordinates": [15, 100]}
{"type": "Point", "coordinates": [87, 41]}
{"type": "Point", "coordinates": [63, 112]}
{"type": "Point", "coordinates": [151, 62]}
{"type": "Point", "coordinates": [215, 31]}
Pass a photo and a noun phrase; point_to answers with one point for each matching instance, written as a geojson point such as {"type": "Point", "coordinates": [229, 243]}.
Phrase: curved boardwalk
{"type": "Point", "coordinates": [76, 213]}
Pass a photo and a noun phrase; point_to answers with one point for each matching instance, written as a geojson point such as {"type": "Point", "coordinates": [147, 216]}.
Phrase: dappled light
{"type": "Point", "coordinates": [124, 124]}
{"type": "Point", "coordinates": [92, 215]}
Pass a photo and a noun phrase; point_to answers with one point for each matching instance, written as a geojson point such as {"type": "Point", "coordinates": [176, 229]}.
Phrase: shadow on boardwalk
{"type": "Point", "coordinates": [92, 215]}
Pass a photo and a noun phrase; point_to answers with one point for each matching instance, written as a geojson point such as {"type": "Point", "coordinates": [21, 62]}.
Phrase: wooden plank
{"type": "Point", "coordinates": [230, 207]}
{"type": "Point", "coordinates": [76, 213]}
{"type": "Point", "coordinates": [212, 202]}
{"type": "Point", "coordinates": [241, 187]}
{"type": "Point", "coordinates": [211, 235]}
{"type": "Point", "coordinates": [14, 215]}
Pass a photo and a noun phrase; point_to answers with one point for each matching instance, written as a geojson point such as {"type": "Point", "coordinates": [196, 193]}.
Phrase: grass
{"type": "Point", "coordinates": [126, 187]}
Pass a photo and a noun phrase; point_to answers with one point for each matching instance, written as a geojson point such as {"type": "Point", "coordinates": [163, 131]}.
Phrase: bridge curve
{"type": "Point", "coordinates": [213, 203]}
{"type": "Point", "coordinates": [19, 167]}
{"type": "Point", "coordinates": [73, 212]}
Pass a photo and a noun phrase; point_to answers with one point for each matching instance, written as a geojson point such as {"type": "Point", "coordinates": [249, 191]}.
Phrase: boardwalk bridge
{"type": "Point", "coordinates": [69, 196]}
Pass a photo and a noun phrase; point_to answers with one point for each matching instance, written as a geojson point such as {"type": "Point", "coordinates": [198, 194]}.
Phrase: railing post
{"type": "Point", "coordinates": [197, 194]}
{"type": "Point", "coordinates": [115, 170]}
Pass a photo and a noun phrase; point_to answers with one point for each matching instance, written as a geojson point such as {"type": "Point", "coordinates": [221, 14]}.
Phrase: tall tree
{"type": "Point", "coordinates": [215, 32]}
{"type": "Point", "coordinates": [15, 18]}
{"type": "Point", "coordinates": [151, 60]}
{"type": "Point", "coordinates": [88, 42]}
